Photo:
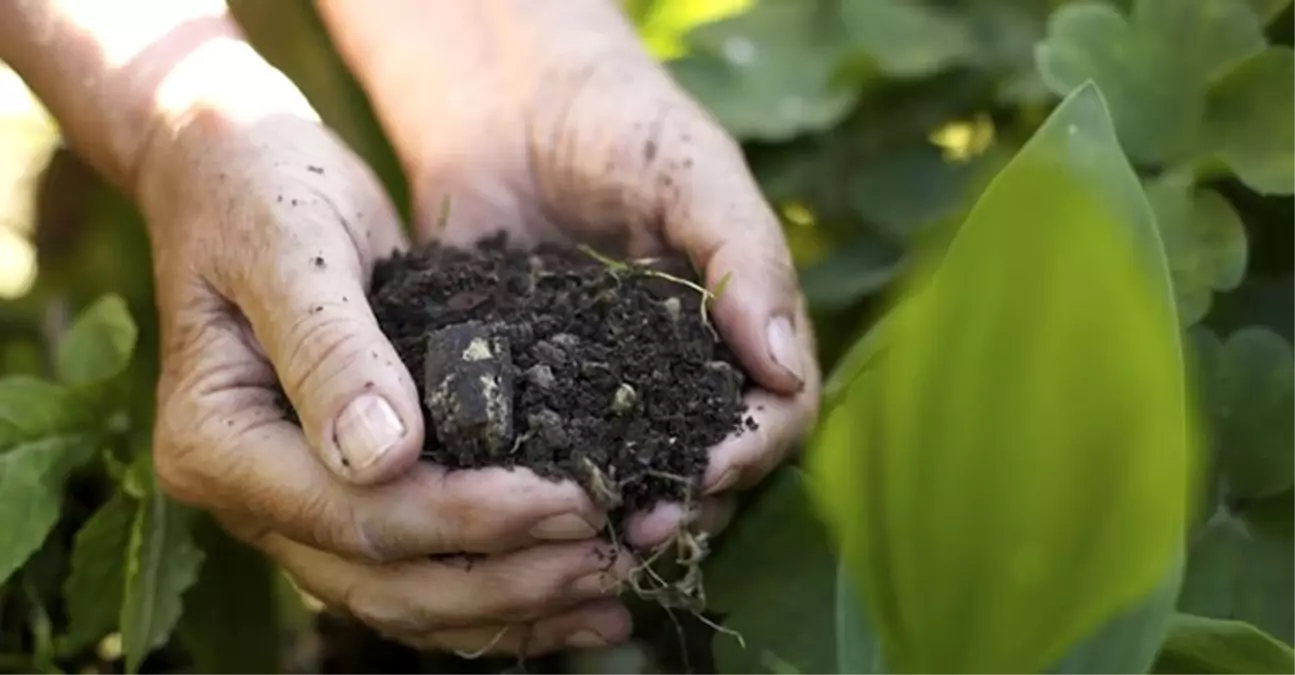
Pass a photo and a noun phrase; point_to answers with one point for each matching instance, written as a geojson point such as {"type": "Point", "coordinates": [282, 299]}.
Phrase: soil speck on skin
{"type": "Point", "coordinates": [315, 169]}
{"type": "Point", "coordinates": [611, 380]}
{"type": "Point", "coordinates": [319, 262]}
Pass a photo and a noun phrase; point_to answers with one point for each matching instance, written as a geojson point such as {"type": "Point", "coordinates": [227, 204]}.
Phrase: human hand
{"type": "Point", "coordinates": [264, 230]}
{"type": "Point", "coordinates": [548, 118]}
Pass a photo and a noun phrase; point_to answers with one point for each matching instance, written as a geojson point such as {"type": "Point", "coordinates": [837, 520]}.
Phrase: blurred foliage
{"type": "Point", "coordinates": [873, 127]}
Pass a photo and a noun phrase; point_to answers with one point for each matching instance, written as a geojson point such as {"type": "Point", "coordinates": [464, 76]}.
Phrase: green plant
{"type": "Point", "coordinates": [886, 133]}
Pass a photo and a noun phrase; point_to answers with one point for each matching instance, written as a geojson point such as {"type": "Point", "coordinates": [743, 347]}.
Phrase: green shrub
{"type": "Point", "coordinates": [894, 137]}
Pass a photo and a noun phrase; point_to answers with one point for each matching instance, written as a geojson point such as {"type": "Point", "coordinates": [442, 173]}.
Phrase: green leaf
{"type": "Point", "coordinates": [906, 39]}
{"type": "Point", "coordinates": [858, 269]}
{"type": "Point", "coordinates": [1205, 241]}
{"type": "Point", "coordinates": [1052, 494]}
{"type": "Point", "coordinates": [99, 344]}
{"type": "Point", "coordinates": [1239, 572]}
{"type": "Point", "coordinates": [1267, 10]}
{"type": "Point", "coordinates": [1249, 386]}
{"type": "Point", "coordinates": [783, 605]}
{"type": "Point", "coordinates": [1156, 88]}
{"type": "Point", "coordinates": [1201, 645]}
{"type": "Point", "coordinates": [1129, 642]}
{"type": "Point", "coordinates": [858, 652]}
{"type": "Point", "coordinates": [663, 25]}
{"type": "Point", "coordinates": [94, 590]}
{"type": "Point", "coordinates": [162, 562]}
{"type": "Point", "coordinates": [231, 620]}
{"type": "Point", "coordinates": [32, 474]}
{"type": "Point", "coordinates": [771, 72]}
{"type": "Point", "coordinates": [32, 409]}
{"type": "Point", "coordinates": [1249, 119]}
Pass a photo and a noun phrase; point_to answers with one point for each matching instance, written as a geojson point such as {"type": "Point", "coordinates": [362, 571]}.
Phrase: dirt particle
{"type": "Point", "coordinates": [315, 169]}
{"type": "Point", "coordinates": [319, 262]}
{"type": "Point", "coordinates": [649, 151]}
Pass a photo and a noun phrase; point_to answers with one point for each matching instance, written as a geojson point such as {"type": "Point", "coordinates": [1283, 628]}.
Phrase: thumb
{"type": "Point", "coordinates": [304, 295]}
{"type": "Point", "coordinates": [693, 180]}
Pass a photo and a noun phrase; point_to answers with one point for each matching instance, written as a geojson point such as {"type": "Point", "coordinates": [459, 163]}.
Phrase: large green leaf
{"type": "Point", "coordinates": [1156, 86]}
{"type": "Point", "coordinates": [771, 72]}
{"type": "Point", "coordinates": [1249, 388]}
{"type": "Point", "coordinates": [94, 589]}
{"type": "Point", "coordinates": [1050, 493]}
{"type": "Point", "coordinates": [1204, 239]}
{"type": "Point", "coordinates": [162, 562]}
{"type": "Point", "coordinates": [1241, 572]}
{"type": "Point", "coordinates": [1249, 119]}
{"type": "Point", "coordinates": [231, 618]}
{"type": "Point", "coordinates": [784, 604]}
{"type": "Point", "coordinates": [99, 344]}
{"type": "Point", "coordinates": [1129, 642]}
{"type": "Point", "coordinates": [858, 651]}
{"type": "Point", "coordinates": [1201, 645]}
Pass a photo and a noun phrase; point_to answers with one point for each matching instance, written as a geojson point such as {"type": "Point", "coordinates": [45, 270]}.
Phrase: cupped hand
{"type": "Point", "coordinates": [554, 123]}
{"type": "Point", "coordinates": [265, 230]}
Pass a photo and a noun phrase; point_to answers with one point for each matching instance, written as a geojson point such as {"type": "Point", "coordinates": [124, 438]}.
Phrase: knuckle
{"type": "Point", "coordinates": [382, 612]}
{"type": "Point", "coordinates": [325, 345]}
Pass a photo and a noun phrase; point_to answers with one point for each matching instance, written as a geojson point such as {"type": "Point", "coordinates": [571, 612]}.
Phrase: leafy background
{"type": "Point", "coordinates": [869, 125]}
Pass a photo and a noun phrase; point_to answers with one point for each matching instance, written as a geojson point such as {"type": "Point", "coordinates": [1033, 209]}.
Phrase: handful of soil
{"type": "Point", "coordinates": [564, 362]}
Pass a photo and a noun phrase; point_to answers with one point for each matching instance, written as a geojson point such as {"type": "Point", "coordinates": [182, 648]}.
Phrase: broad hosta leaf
{"type": "Point", "coordinates": [1053, 493]}
{"type": "Point", "coordinates": [99, 344]}
{"type": "Point", "coordinates": [783, 605]}
{"type": "Point", "coordinates": [1236, 571]}
{"type": "Point", "coordinates": [858, 651]}
{"type": "Point", "coordinates": [230, 623]}
{"type": "Point", "coordinates": [1197, 644]}
{"type": "Point", "coordinates": [770, 72]}
{"type": "Point", "coordinates": [1155, 87]}
{"type": "Point", "coordinates": [1249, 387]}
{"type": "Point", "coordinates": [1129, 642]}
{"type": "Point", "coordinates": [1204, 239]}
{"type": "Point", "coordinates": [906, 39]}
{"type": "Point", "coordinates": [1249, 119]}
{"type": "Point", "coordinates": [94, 589]}
{"type": "Point", "coordinates": [162, 562]}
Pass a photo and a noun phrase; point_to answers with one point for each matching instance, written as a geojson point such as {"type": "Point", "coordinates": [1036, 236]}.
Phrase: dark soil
{"type": "Point", "coordinates": [554, 360]}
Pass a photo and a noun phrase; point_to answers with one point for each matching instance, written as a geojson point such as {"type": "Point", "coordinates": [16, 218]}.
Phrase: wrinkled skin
{"type": "Point", "coordinates": [265, 229]}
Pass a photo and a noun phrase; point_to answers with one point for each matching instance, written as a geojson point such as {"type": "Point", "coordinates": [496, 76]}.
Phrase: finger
{"type": "Point", "coordinates": [220, 443]}
{"type": "Point", "coordinates": [421, 597]}
{"type": "Point", "coordinates": [743, 459]}
{"type": "Point", "coordinates": [300, 278]}
{"type": "Point", "coordinates": [683, 174]}
{"type": "Point", "coordinates": [595, 624]}
{"type": "Point", "coordinates": [649, 529]}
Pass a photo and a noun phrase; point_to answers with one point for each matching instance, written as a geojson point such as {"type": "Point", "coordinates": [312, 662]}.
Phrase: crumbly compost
{"type": "Point", "coordinates": [564, 362]}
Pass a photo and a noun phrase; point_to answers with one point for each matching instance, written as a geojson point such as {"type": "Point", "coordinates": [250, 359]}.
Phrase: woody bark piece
{"type": "Point", "coordinates": [468, 379]}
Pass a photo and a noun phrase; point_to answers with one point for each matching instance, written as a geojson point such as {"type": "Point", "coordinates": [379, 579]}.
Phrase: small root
{"type": "Point", "coordinates": [471, 656]}
{"type": "Point", "coordinates": [601, 487]}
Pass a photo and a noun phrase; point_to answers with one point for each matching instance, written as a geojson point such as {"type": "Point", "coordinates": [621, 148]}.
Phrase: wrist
{"type": "Point", "coordinates": [204, 115]}
{"type": "Point", "coordinates": [432, 67]}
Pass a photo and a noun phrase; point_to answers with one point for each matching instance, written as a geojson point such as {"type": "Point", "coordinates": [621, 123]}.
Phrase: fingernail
{"type": "Point", "coordinates": [783, 347]}
{"type": "Point", "coordinates": [725, 481]}
{"type": "Point", "coordinates": [594, 585]}
{"type": "Point", "coordinates": [585, 639]}
{"type": "Point", "coordinates": [566, 526]}
{"type": "Point", "coordinates": [366, 430]}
